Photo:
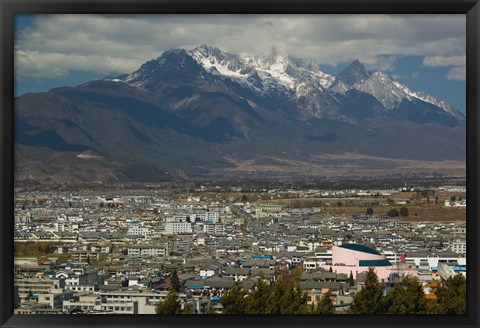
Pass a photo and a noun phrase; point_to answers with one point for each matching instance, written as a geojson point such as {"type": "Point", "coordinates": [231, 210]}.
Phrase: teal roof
{"type": "Point", "coordinates": [360, 248]}
{"type": "Point", "coordinates": [374, 263]}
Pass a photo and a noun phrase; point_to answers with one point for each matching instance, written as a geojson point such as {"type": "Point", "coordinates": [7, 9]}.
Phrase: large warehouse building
{"type": "Point", "coordinates": [356, 258]}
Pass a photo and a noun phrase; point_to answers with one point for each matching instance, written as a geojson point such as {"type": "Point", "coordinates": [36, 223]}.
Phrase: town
{"type": "Point", "coordinates": [128, 250]}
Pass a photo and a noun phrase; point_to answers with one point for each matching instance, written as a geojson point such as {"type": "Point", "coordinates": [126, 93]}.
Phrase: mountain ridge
{"type": "Point", "coordinates": [196, 112]}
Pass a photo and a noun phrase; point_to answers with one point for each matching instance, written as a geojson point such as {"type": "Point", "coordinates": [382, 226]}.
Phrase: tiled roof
{"type": "Point", "coordinates": [360, 248]}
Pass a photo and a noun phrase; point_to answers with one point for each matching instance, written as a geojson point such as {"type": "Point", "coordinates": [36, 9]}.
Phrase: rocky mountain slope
{"type": "Point", "coordinates": [191, 113]}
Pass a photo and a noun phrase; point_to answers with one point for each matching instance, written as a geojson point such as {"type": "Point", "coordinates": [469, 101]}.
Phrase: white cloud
{"type": "Point", "coordinates": [445, 61]}
{"type": "Point", "coordinates": [457, 73]}
{"type": "Point", "coordinates": [53, 64]}
{"type": "Point", "coordinates": [411, 76]}
{"type": "Point", "coordinates": [57, 44]}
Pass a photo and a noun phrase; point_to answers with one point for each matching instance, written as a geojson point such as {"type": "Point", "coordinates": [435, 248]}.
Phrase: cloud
{"type": "Point", "coordinates": [35, 64]}
{"type": "Point", "coordinates": [457, 73]}
{"type": "Point", "coordinates": [57, 44]}
{"type": "Point", "coordinates": [412, 76]}
{"type": "Point", "coordinates": [379, 63]}
{"type": "Point", "coordinates": [444, 61]}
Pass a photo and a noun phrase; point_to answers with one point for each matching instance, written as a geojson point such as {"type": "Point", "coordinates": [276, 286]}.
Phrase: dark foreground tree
{"type": "Point", "coordinates": [350, 279]}
{"type": "Point", "coordinates": [278, 300]}
{"type": "Point", "coordinates": [293, 301]}
{"type": "Point", "coordinates": [369, 299]}
{"type": "Point", "coordinates": [171, 305]}
{"type": "Point", "coordinates": [188, 309]}
{"type": "Point", "coordinates": [451, 297]}
{"type": "Point", "coordinates": [259, 302]}
{"type": "Point", "coordinates": [369, 211]}
{"type": "Point", "coordinates": [174, 281]}
{"type": "Point", "coordinates": [325, 306]}
{"type": "Point", "coordinates": [404, 211]}
{"type": "Point", "coordinates": [407, 297]}
{"type": "Point", "coordinates": [233, 301]}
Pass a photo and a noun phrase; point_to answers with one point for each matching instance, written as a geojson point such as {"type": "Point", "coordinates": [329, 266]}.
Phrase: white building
{"type": "Point", "coordinates": [138, 231]}
{"type": "Point", "coordinates": [214, 228]}
{"type": "Point", "coordinates": [432, 260]}
{"type": "Point", "coordinates": [55, 299]}
{"type": "Point", "coordinates": [213, 217]}
{"type": "Point", "coordinates": [178, 227]}
{"type": "Point", "coordinates": [459, 246]}
{"type": "Point", "coordinates": [148, 250]}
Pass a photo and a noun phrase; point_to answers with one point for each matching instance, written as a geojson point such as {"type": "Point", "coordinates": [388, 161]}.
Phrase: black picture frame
{"type": "Point", "coordinates": [10, 8]}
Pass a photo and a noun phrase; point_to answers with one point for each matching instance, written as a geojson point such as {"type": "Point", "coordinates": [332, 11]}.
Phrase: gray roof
{"type": "Point", "coordinates": [237, 271]}
{"type": "Point", "coordinates": [323, 284]}
{"type": "Point", "coordinates": [113, 287]}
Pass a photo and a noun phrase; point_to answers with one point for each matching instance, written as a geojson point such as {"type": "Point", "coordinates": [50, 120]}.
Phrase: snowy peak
{"type": "Point", "coordinates": [353, 74]}
{"type": "Point", "coordinates": [383, 88]}
{"type": "Point", "coordinates": [281, 78]}
{"type": "Point", "coordinates": [172, 64]}
{"type": "Point", "coordinates": [390, 94]}
{"type": "Point", "coordinates": [263, 72]}
{"type": "Point", "coordinates": [214, 59]}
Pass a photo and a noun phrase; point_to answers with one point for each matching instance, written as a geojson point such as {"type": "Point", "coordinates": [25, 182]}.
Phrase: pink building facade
{"type": "Point", "coordinates": [357, 258]}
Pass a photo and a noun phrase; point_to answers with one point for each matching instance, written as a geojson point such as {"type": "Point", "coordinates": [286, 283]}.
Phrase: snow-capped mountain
{"type": "Point", "coordinates": [355, 73]}
{"type": "Point", "coordinates": [315, 93]}
{"type": "Point", "coordinates": [390, 93]}
{"type": "Point", "coordinates": [384, 88]}
{"type": "Point", "coordinates": [202, 111]}
{"type": "Point", "coordinates": [263, 72]}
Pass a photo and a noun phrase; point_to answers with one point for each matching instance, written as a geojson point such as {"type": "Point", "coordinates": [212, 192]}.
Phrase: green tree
{"type": "Point", "coordinates": [393, 212]}
{"type": "Point", "coordinates": [369, 211]}
{"type": "Point", "coordinates": [211, 310]}
{"type": "Point", "coordinates": [44, 248]}
{"type": "Point", "coordinates": [350, 279]}
{"type": "Point", "coordinates": [404, 211]}
{"type": "Point", "coordinates": [406, 297]}
{"type": "Point", "coordinates": [233, 301]}
{"type": "Point", "coordinates": [278, 302]}
{"type": "Point", "coordinates": [325, 306]}
{"type": "Point", "coordinates": [330, 269]}
{"type": "Point", "coordinates": [171, 305]}
{"type": "Point", "coordinates": [174, 281]}
{"type": "Point", "coordinates": [259, 302]}
{"type": "Point", "coordinates": [62, 258]}
{"type": "Point", "coordinates": [294, 275]}
{"type": "Point", "coordinates": [453, 198]}
{"type": "Point", "coordinates": [451, 297]}
{"type": "Point", "coordinates": [88, 259]}
{"type": "Point", "coordinates": [293, 300]}
{"type": "Point", "coordinates": [369, 299]}
{"type": "Point", "coordinates": [188, 309]}
{"type": "Point", "coordinates": [287, 297]}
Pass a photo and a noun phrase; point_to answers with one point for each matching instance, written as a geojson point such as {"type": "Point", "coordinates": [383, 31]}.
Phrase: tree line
{"type": "Point", "coordinates": [393, 212]}
{"type": "Point", "coordinates": [286, 297]}
{"type": "Point", "coordinates": [407, 297]}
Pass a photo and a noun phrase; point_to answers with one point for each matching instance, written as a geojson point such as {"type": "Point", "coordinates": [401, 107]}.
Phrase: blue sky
{"type": "Point", "coordinates": [424, 52]}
